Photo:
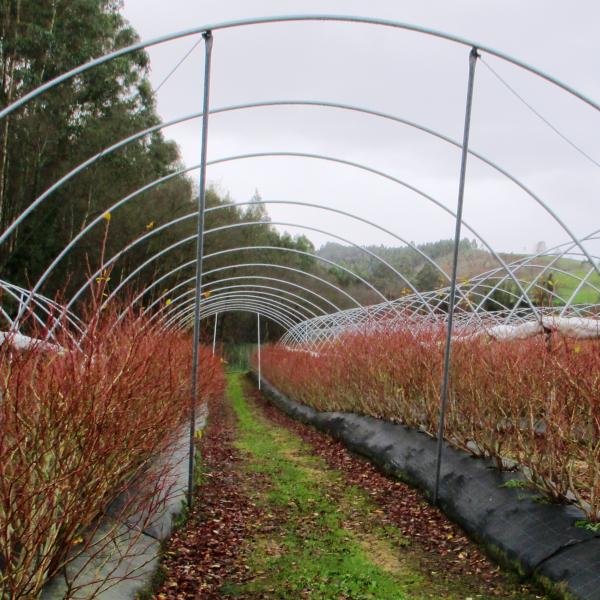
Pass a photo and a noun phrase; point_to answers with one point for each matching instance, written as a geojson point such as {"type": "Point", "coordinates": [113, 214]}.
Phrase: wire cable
{"type": "Point", "coordinates": [540, 116]}
{"type": "Point", "coordinates": [172, 71]}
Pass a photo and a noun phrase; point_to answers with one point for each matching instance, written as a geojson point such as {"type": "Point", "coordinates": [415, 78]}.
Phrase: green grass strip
{"type": "Point", "coordinates": [324, 543]}
{"type": "Point", "coordinates": [316, 555]}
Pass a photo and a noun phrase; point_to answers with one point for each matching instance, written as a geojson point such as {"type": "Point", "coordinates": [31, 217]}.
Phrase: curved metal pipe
{"type": "Point", "coordinates": [270, 279]}
{"type": "Point", "coordinates": [280, 294]}
{"type": "Point", "coordinates": [308, 228]}
{"type": "Point", "coordinates": [266, 265]}
{"type": "Point", "coordinates": [226, 279]}
{"type": "Point", "coordinates": [288, 19]}
{"type": "Point", "coordinates": [290, 312]}
{"type": "Point", "coordinates": [524, 263]}
{"type": "Point", "coordinates": [410, 187]}
{"type": "Point", "coordinates": [291, 269]}
{"type": "Point", "coordinates": [185, 308]}
{"type": "Point", "coordinates": [183, 324]}
{"type": "Point", "coordinates": [233, 226]}
{"type": "Point", "coordinates": [296, 300]}
{"type": "Point", "coordinates": [157, 230]}
{"type": "Point", "coordinates": [303, 155]}
{"type": "Point", "coordinates": [272, 317]}
{"type": "Point", "coordinates": [301, 253]}
{"type": "Point", "coordinates": [149, 130]}
{"type": "Point", "coordinates": [41, 302]}
{"type": "Point", "coordinates": [404, 184]}
{"type": "Point", "coordinates": [316, 103]}
{"type": "Point", "coordinates": [286, 154]}
{"type": "Point", "coordinates": [285, 309]}
{"type": "Point", "coordinates": [225, 306]}
{"type": "Point", "coordinates": [183, 320]}
{"type": "Point", "coordinates": [330, 17]}
{"type": "Point", "coordinates": [227, 291]}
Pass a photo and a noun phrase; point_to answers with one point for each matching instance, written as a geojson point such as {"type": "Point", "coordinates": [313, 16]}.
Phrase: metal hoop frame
{"type": "Point", "coordinates": [453, 305]}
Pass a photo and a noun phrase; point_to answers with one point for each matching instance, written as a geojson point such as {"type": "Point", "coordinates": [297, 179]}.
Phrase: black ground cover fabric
{"type": "Point", "coordinates": [514, 523]}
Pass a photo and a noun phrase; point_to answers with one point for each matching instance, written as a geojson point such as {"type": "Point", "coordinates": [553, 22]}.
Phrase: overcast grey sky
{"type": "Point", "coordinates": [408, 75]}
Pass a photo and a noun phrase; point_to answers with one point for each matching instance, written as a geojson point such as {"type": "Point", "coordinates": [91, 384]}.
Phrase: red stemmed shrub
{"type": "Point", "coordinates": [76, 429]}
{"type": "Point", "coordinates": [535, 401]}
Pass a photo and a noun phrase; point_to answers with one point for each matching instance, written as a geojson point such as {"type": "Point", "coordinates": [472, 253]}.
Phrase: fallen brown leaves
{"type": "Point", "coordinates": [213, 548]}
{"type": "Point", "coordinates": [450, 551]}
{"type": "Point", "coordinates": [203, 554]}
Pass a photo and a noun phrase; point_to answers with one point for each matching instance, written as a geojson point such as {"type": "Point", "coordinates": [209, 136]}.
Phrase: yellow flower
{"type": "Point", "coordinates": [106, 216]}
{"type": "Point", "coordinates": [77, 540]}
{"type": "Point", "coordinates": [168, 301]}
{"type": "Point", "coordinates": [577, 349]}
{"type": "Point", "coordinates": [207, 294]}
{"type": "Point", "coordinates": [150, 225]}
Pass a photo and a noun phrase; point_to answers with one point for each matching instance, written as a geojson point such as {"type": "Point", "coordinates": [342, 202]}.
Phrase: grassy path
{"type": "Point", "coordinates": [302, 531]}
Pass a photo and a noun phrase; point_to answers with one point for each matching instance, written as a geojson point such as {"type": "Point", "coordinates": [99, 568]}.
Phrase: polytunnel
{"type": "Point", "coordinates": [502, 301]}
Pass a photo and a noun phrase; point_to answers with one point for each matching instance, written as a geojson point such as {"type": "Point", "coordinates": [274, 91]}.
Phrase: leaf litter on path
{"type": "Point", "coordinates": [285, 511]}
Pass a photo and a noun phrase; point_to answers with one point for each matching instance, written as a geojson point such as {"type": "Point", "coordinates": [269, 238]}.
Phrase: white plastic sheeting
{"type": "Point", "coordinates": [575, 327]}
{"type": "Point", "coordinates": [515, 332]}
{"type": "Point", "coordinates": [18, 341]}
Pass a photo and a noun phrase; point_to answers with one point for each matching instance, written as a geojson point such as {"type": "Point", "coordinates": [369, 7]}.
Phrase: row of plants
{"type": "Point", "coordinates": [78, 428]}
{"type": "Point", "coordinates": [534, 401]}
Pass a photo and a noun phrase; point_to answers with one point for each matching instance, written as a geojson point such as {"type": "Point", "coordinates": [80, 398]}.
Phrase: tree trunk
{"type": "Point", "coordinates": [7, 79]}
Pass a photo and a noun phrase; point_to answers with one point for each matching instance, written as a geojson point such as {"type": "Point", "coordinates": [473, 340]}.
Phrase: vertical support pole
{"type": "Point", "coordinates": [258, 345]}
{"type": "Point", "coordinates": [215, 333]}
{"type": "Point", "coordinates": [199, 256]}
{"type": "Point", "coordinates": [461, 191]}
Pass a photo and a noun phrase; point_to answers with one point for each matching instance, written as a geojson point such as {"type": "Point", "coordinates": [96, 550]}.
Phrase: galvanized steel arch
{"type": "Point", "coordinates": [256, 223]}
{"type": "Point", "coordinates": [272, 154]}
{"type": "Point", "coordinates": [107, 151]}
{"type": "Point", "coordinates": [258, 277]}
{"type": "Point", "coordinates": [289, 19]}
{"type": "Point", "coordinates": [235, 289]}
{"type": "Point", "coordinates": [294, 18]}
{"type": "Point", "coordinates": [160, 228]}
{"type": "Point", "coordinates": [342, 18]}
{"type": "Point", "coordinates": [263, 307]}
{"type": "Point", "coordinates": [291, 250]}
{"type": "Point", "coordinates": [280, 293]}
{"type": "Point", "coordinates": [295, 315]}
{"type": "Point", "coordinates": [265, 297]}
{"type": "Point", "coordinates": [266, 265]}
{"type": "Point", "coordinates": [183, 320]}
{"type": "Point", "coordinates": [179, 243]}
{"type": "Point", "coordinates": [251, 303]}
{"type": "Point", "coordinates": [160, 180]}
{"type": "Point", "coordinates": [50, 308]}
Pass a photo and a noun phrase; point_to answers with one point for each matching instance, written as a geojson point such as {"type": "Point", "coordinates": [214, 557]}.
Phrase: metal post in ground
{"type": "Point", "coordinates": [258, 345]}
{"type": "Point", "coordinates": [215, 333]}
{"type": "Point", "coordinates": [461, 191]}
{"type": "Point", "coordinates": [199, 255]}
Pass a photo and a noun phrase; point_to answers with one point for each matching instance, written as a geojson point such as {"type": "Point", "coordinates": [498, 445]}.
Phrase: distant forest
{"type": "Point", "coordinates": [410, 262]}
{"type": "Point", "coordinates": [50, 136]}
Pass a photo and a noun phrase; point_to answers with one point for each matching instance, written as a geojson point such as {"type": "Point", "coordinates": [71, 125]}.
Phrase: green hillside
{"type": "Point", "coordinates": [473, 260]}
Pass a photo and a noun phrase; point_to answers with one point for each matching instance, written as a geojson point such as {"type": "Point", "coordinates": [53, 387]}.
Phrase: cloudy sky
{"type": "Point", "coordinates": [407, 75]}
